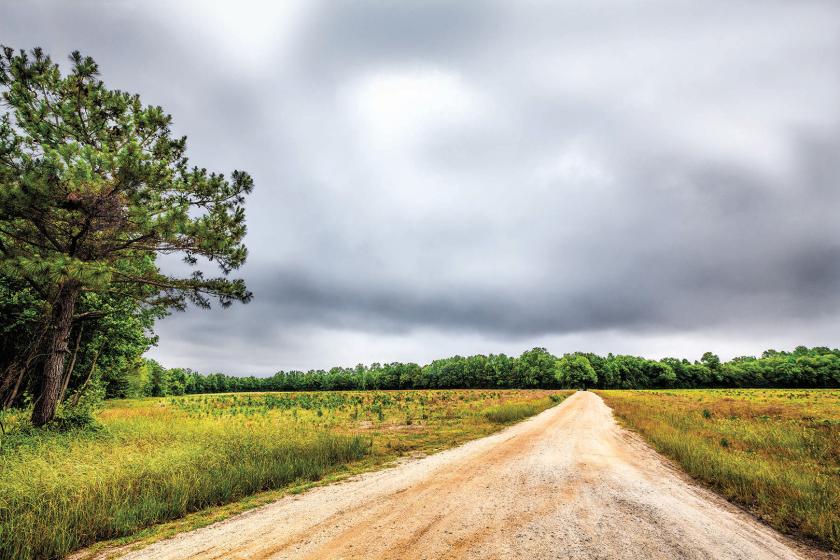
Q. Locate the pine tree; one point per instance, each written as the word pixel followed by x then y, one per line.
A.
pixel 92 187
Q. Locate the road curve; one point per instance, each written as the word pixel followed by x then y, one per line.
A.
pixel 568 483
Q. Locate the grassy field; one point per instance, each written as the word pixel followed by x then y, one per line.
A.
pixel 159 459
pixel 777 452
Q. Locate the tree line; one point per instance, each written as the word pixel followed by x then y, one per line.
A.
pixel 535 368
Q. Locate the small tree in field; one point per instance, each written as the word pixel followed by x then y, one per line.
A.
pixel 92 187
pixel 573 370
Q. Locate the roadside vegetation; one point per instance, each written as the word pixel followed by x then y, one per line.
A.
pixel 150 460
pixel 776 452
pixel 509 413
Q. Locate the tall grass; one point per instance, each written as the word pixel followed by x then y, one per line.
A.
pixel 777 452
pixel 47 512
pixel 508 413
pixel 155 460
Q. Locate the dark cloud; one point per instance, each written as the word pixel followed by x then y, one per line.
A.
pixel 439 177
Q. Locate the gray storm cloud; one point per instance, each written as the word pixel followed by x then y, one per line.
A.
pixel 439 177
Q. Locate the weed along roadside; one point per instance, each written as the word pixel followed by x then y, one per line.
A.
pixel 158 459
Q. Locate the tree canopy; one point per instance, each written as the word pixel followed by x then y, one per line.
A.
pixel 575 371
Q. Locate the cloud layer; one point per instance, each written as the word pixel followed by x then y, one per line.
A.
pixel 439 177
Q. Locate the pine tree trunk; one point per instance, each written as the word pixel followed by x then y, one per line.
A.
pixel 20 367
pixel 72 365
pixel 62 321
pixel 81 390
pixel 13 395
pixel 11 381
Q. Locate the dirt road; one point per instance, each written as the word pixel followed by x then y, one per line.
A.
pixel 568 483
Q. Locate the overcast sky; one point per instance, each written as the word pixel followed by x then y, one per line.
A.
pixel 432 178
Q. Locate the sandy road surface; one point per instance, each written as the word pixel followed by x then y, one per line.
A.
pixel 568 483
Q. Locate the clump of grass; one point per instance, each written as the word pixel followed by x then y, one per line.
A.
pixel 777 452
pixel 507 413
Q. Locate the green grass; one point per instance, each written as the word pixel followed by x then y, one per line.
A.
pixel 155 460
pixel 776 452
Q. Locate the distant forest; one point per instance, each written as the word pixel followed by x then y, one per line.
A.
pixel 536 368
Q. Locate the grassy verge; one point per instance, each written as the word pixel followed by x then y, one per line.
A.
pixel 777 452
pixel 156 460
pixel 508 413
